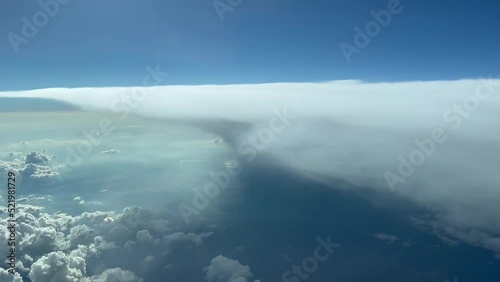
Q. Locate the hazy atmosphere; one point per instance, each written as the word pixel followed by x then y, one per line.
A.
pixel 235 141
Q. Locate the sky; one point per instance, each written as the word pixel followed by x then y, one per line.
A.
pixel 110 43
pixel 372 123
pixel 313 161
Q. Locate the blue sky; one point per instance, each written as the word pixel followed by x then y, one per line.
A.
pixel 109 43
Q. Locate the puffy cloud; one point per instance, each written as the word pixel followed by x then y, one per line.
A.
pixel 34 165
pixel 95 218
pixel 144 236
pixel 149 259
pixel 81 235
pixel 135 218
pixel 94 249
pixel 36 158
pixel 79 200
pixel 63 247
pixel 37 232
pixel 355 132
pixel 387 237
pixel 223 269
pixel 38 171
pixel 41 238
pixel 57 266
pixel 124 227
pixel 115 275
pixel 6 276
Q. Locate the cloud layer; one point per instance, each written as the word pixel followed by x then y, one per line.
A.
pixel 347 130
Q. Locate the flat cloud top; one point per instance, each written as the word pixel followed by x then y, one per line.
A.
pixel 353 131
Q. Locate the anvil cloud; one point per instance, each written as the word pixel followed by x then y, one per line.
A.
pixel 353 131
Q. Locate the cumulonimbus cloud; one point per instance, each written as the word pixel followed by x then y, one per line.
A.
pixel 354 131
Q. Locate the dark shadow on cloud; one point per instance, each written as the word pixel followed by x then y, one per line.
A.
pixel 227 129
pixel 282 213
pixel 270 217
pixel 273 222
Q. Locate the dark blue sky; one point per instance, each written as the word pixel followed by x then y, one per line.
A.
pixel 109 43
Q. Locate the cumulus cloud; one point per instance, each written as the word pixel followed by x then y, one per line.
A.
pixel 144 236
pixel 81 235
pixel 33 165
pixel 78 200
pixel 88 247
pixel 352 131
pixel 115 275
pixel 125 226
pixel 38 171
pixel 386 237
pixel 57 266
pixel 223 269
pixel 36 158
pixel 9 277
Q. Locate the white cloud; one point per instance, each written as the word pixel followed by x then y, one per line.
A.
pixel 58 247
pixel 387 237
pixel 352 131
pixel 115 275
pixel 57 266
pixel 112 151
pixel 5 276
pixel 36 158
pixel 81 235
pixel 223 269
pixel 34 165
pixel 78 200
pixel 143 236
